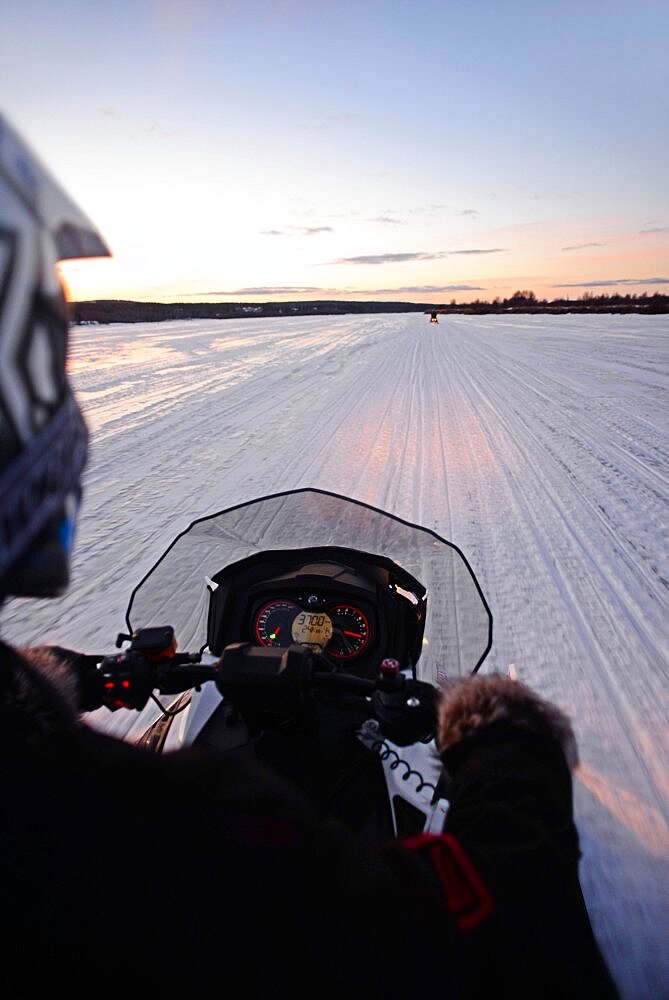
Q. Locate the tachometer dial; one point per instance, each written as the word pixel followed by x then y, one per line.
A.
pixel 351 632
pixel 274 622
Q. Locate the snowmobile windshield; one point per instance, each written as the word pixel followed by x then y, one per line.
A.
pixel 176 591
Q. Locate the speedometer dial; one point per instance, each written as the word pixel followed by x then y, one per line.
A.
pixel 274 622
pixel 351 632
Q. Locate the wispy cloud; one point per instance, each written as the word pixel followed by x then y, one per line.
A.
pixel 582 246
pixel 297 231
pixel 261 290
pixel 424 289
pixel 297 290
pixel 389 220
pixel 385 258
pixel 390 214
pixel 403 258
pixel 421 209
pixel 492 250
pixel 614 281
pixel 655 229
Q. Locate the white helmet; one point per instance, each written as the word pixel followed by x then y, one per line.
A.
pixel 43 437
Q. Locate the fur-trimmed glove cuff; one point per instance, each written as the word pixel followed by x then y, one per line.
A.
pixel 469 706
pixel 71 672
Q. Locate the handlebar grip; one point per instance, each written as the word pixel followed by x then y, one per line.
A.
pixel 177 675
pixel 126 680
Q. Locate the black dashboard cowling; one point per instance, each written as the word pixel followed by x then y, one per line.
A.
pixel 392 597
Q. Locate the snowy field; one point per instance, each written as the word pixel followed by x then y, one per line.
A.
pixel 539 445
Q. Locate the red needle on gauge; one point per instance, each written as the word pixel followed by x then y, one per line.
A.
pixel 356 635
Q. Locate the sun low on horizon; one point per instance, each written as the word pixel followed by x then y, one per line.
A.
pixel 277 151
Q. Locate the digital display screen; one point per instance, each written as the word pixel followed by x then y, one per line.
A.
pixel 312 628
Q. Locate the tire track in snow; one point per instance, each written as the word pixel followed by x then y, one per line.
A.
pixel 634 717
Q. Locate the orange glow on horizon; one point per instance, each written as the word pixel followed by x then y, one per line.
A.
pixel 561 277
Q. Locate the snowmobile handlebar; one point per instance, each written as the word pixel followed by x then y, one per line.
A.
pixel 267 684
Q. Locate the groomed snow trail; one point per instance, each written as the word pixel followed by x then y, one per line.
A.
pixel 537 444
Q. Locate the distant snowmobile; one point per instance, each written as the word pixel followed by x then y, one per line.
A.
pixel 433 318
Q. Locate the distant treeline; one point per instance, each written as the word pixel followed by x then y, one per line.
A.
pixel 122 311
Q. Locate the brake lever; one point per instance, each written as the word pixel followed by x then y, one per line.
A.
pixel 405 708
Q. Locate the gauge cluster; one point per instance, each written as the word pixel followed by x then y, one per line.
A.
pixel 339 629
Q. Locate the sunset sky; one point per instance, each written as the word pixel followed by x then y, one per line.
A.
pixel 243 150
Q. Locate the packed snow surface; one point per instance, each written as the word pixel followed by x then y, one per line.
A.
pixel 537 444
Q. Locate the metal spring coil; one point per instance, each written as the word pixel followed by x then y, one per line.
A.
pixel 384 751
